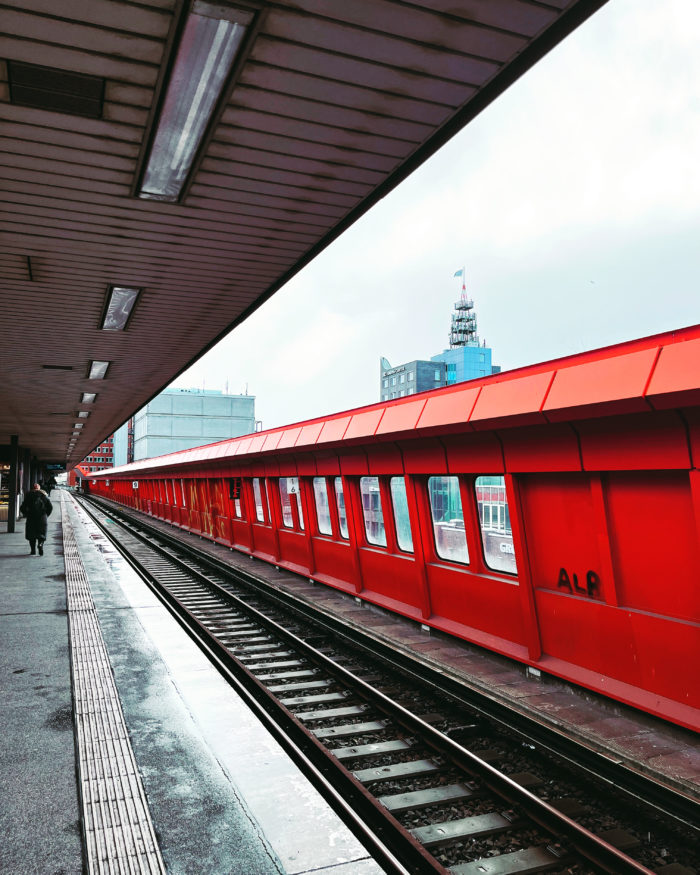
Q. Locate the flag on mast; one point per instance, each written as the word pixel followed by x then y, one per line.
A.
pixel 459 272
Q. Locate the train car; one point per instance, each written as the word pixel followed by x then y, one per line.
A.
pixel 550 513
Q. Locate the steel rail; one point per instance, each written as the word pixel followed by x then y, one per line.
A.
pixel 594 849
pixel 389 844
pixel 640 789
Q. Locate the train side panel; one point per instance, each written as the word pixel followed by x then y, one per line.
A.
pixel 552 515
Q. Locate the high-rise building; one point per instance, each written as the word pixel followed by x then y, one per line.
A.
pixel 466 359
pixel 179 419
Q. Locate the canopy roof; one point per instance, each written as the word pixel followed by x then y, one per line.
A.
pixel 328 107
pixel 655 373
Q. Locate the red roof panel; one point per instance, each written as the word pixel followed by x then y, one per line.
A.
pixel 520 399
pixel 401 417
pixel 676 377
pixel 617 384
pixel 364 424
pixel 446 409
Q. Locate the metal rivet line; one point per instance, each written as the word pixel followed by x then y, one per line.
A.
pixel 119 834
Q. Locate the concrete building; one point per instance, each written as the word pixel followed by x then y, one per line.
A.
pixel 410 378
pixel 124 444
pixel 466 359
pixel 100 458
pixel 179 419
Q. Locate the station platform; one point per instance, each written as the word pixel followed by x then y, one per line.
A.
pixel 123 749
pixel 668 753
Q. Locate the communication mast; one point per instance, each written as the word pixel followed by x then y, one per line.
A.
pixel 463 327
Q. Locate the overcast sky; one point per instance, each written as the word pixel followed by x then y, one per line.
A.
pixel 572 201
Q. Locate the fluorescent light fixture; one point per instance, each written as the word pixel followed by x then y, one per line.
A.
pixel 83 413
pixel 98 370
pixel 88 397
pixel 120 303
pixel 210 42
pixel 78 425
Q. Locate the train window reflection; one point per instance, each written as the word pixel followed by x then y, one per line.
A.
pixel 323 511
pixel 340 502
pixel 289 493
pixel 259 507
pixel 448 519
pixel 403 523
pixel 494 517
pixel 372 511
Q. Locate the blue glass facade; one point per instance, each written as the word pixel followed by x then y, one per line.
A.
pixel 465 363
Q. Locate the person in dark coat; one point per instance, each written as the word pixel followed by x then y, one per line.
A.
pixel 49 484
pixel 36 507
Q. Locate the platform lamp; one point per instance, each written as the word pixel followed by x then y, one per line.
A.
pixel 198 83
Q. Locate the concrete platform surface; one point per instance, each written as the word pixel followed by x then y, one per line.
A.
pixel 40 811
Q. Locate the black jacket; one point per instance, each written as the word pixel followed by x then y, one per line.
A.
pixel 36 507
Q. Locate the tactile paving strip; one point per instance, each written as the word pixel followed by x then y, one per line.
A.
pixel 119 833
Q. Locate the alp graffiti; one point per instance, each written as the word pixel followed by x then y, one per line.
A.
pixel 591 589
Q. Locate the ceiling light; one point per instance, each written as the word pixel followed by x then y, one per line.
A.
pixel 120 302
pixel 210 42
pixel 78 425
pixel 98 370
pixel 83 413
pixel 88 397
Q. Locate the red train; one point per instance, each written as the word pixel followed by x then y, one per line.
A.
pixel 550 513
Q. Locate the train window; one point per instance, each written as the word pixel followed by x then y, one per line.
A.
pixel 448 519
pixel 259 506
pixel 340 503
pixel 323 511
pixel 403 524
pixel 289 492
pixel 372 511
pixel 494 517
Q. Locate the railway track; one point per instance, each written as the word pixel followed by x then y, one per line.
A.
pixel 414 773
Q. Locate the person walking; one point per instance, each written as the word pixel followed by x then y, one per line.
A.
pixel 36 507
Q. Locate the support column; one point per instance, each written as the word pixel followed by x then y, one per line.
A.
pixel 12 497
pixel 26 483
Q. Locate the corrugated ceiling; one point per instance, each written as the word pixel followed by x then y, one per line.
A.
pixel 334 104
